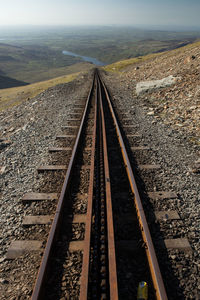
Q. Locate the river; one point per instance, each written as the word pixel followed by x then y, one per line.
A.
pixel 85 58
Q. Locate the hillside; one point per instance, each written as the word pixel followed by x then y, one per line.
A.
pixel 34 63
pixel 13 96
pixel 177 105
pixel 7 82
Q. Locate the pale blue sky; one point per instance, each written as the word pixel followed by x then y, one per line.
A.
pixel 100 12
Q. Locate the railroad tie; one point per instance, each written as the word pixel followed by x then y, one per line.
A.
pixel 64 127
pixel 39 197
pixel 78 105
pixel 74 119
pixel 78 218
pixel 181 244
pixel 60 149
pixel 167 215
pixel 132 245
pixel 75 114
pixel 37 220
pixel 162 216
pixel 76 246
pixel 133 135
pixel 47 219
pixel 127 120
pixel 20 247
pixel 51 168
pixel 130 126
pixel 78 110
pixel 65 136
pixel 162 195
pixel 149 167
pixel 140 148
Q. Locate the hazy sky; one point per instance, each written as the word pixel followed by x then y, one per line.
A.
pixel 100 12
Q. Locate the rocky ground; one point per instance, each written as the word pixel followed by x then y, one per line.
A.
pixel 177 105
pixel 27 131
pixel 175 146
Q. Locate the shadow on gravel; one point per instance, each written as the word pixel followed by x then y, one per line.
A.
pixel 172 284
pixel 63 275
pixel 65 266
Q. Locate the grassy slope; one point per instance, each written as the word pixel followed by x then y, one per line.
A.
pixel 121 65
pixel 14 96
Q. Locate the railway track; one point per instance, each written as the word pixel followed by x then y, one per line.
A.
pixel 113 207
pixel 99 245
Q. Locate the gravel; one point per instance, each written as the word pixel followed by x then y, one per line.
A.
pixel 174 151
pixel 27 131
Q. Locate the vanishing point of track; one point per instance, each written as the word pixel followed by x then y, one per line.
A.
pixel 100 276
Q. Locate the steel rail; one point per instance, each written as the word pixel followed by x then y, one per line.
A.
pixel 113 290
pixel 150 251
pixel 88 226
pixel 38 290
pixel 110 227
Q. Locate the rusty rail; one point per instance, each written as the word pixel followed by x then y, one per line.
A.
pixel 105 204
pixel 40 281
pixel 150 251
pixel 110 227
pixel 88 226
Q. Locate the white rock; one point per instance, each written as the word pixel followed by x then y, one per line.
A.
pixel 151 113
pixel 2 259
pixel 145 86
pixel 24 127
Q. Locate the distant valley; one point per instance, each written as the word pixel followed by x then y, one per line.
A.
pixel 37 54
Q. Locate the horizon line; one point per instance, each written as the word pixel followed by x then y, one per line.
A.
pixel 101 25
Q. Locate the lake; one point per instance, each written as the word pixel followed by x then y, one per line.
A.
pixel 85 58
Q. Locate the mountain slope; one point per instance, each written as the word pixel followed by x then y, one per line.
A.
pixel 8 82
pixel 177 105
pixel 16 95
